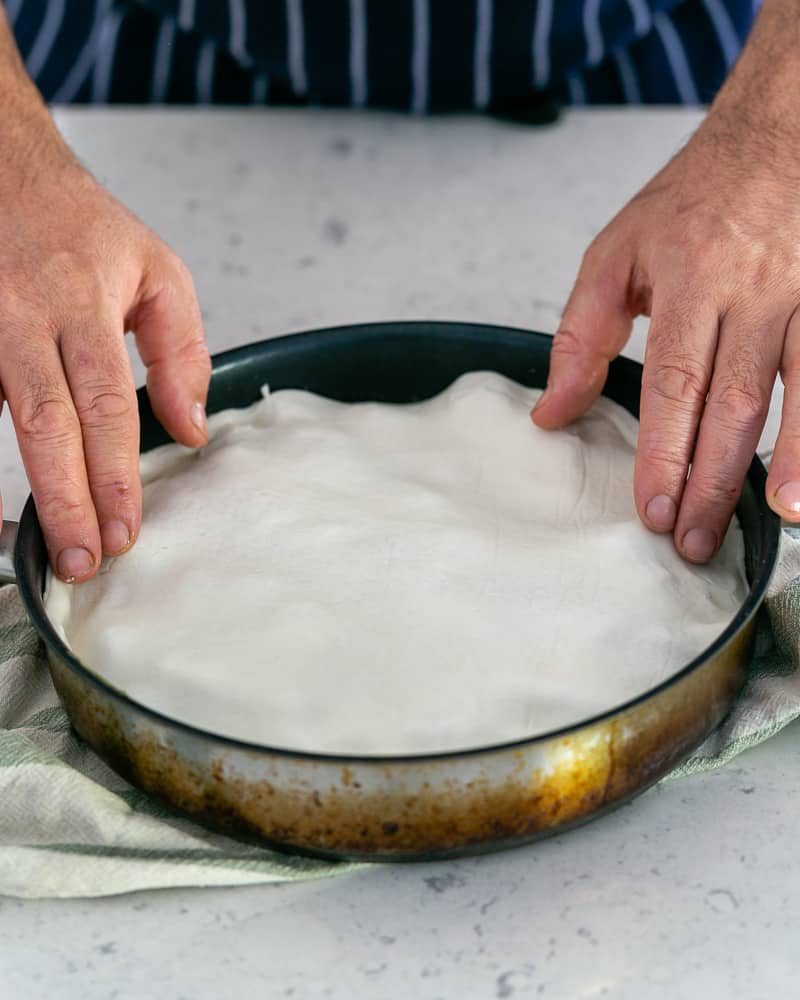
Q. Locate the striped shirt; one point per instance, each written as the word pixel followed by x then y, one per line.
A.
pixel 411 55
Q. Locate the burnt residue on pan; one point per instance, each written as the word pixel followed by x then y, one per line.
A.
pixel 405 808
pixel 409 808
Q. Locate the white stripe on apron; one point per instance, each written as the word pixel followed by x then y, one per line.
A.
pixel 642 17
pixel 204 73
pixel 295 43
pixel 358 53
pixel 48 32
pixel 74 80
pixel 483 53
pixel 107 50
pixel 541 43
pixel 419 58
pixel 162 61
pixel 724 29
pixel 237 43
pixel 676 56
pixel 627 76
pixel 186 15
pixel 592 32
pixel 12 10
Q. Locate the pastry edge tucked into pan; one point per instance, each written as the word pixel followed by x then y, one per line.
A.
pixel 405 807
pixel 396 579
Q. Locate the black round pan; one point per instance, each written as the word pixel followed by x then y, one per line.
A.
pixel 412 807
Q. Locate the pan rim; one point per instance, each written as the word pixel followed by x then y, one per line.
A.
pixel 34 605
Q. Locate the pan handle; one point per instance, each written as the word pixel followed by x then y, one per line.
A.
pixel 8 542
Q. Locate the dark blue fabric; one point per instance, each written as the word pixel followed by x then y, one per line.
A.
pixel 108 50
pixel 327 45
pixel 452 40
pixel 388 62
pixel 512 22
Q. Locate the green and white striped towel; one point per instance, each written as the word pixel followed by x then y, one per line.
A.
pixel 69 826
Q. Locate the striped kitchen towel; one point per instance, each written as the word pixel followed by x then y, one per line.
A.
pixel 69 826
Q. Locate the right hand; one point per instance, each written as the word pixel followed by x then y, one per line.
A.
pixel 77 270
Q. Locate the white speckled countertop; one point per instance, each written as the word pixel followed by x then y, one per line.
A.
pixel 292 220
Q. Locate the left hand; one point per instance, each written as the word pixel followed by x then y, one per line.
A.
pixel 710 250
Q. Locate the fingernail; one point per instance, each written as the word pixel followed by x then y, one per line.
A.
pixel 74 563
pixel 788 496
pixel 699 544
pixel 661 513
pixel 115 537
pixel 198 417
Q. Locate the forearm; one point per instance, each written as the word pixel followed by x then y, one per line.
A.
pixel 763 90
pixel 27 132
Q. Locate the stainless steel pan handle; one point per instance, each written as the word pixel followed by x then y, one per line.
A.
pixel 8 542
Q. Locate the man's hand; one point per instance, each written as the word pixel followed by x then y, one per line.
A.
pixel 710 250
pixel 76 271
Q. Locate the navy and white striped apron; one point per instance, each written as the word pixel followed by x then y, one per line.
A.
pixel 413 55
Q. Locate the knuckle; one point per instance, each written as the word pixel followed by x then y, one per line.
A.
pixel 713 489
pixel 763 276
pixel 195 352
pixel 738 405
pixel 679 381
pixel 56 505
pixel 104 404
pixel 665 457
pixel 45 417
pixel 567 343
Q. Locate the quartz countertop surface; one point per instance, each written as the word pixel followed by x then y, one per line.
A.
pixel 291 220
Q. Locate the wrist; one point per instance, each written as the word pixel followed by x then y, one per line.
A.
pixel 31 147
pixel 760 99
pixel 29 140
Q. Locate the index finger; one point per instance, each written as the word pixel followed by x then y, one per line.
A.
pixel 594 328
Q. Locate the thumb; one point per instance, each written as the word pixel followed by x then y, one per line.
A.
pixel 594 328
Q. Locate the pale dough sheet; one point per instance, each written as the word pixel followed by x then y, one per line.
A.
pixel 396 579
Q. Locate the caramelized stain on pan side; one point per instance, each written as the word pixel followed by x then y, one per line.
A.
pixel 407 809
